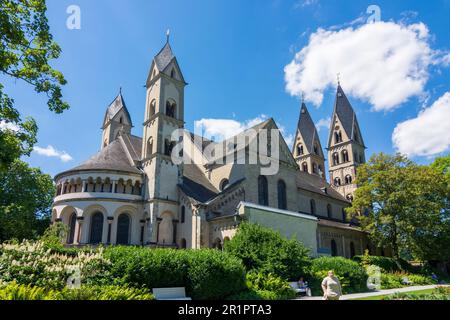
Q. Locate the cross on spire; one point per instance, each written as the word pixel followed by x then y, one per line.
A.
pixel 168 35
pixel 338 78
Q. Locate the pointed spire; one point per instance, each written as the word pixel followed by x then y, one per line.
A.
pixel 306 128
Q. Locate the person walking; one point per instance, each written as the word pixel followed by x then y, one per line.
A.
pixel 331 287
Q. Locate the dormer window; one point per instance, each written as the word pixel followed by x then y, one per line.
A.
pixel 338 136
pixel 337 182
pixel 316 149
pixel 121 120
pixel 172 73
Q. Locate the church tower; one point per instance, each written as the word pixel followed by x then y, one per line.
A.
pixel 164 113
pixel 346 149
pixel 117 120
pixel 307 147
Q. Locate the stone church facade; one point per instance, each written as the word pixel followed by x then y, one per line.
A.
pixel 132 193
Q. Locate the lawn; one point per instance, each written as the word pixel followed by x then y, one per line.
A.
pixel 415 293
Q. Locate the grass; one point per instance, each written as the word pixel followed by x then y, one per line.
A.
pixel 381 297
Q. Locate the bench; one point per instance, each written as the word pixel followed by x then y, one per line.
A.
pixel 170 294
pixel 303 290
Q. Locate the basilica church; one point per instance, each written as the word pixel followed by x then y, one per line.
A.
pixel 132 192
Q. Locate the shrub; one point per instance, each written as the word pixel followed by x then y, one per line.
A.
pixel 206 274
pixel 14 291
pixel 385 263
pixel 264 250
pixel 31 263
pixel 440 293
pixel 270 286
pixel 396 280
pixel 352 276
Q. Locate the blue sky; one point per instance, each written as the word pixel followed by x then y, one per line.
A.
pixel 233 54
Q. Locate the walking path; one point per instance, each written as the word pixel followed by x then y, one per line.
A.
pixel 375 293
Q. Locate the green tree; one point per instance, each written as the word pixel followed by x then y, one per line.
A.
pixel 406 202
pixel 26 48
pixel 264 250
pixel 25 202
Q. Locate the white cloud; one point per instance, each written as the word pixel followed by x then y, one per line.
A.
pixel 428 134
pixel 221 129
pixel 323 123
pixel 384 63
pixel 8 126
pixel 304 3
pixel 50 151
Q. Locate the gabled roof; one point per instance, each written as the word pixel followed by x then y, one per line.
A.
pixel 196 185
pixel 308 130
pixel 343 110
pixel 316 184
pixel 115 107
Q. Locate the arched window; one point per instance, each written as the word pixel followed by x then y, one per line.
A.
pixel 96 228
pixel 123 229
pixel 345 156
pixel 312 204
pixel 348 179
pixel 183 214
pixel 168 147
pixel 316 149
pixel 150 146
pixel 282 203
pixel 224 184
pixel 329 211
pixel 218 244
pixel 337 182
pixel 344 215
pixel 171 108
pixel 335 159
pixel 305 167
pixel 152 108
pixel 263 191
pixel 72 224
pixel 338 137
pixel 300 150
pixel 352 250
pixel 183 244
pixel 333 248
pixel 349 197
pixel 315 168
pixel 172 73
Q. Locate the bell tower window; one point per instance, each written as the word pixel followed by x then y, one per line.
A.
pixel 171 108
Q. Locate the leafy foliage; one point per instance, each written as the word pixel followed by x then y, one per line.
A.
pixel 26 49
pixel 440 293
pixel 352 276
pixel 385 263
pixel 264 250
pixel 14 291
pixel 32 263
pixel 206 274
pixel 409 206
pixel 26 196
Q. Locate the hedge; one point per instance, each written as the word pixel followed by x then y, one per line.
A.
pixel 206 274
pixel 352 276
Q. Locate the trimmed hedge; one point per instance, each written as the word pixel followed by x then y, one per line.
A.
pixel 352 276
pixel 264 250
pixel 206 274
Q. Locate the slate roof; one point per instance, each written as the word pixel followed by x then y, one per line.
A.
pixel 164 57
pixel 308 129
pixel 336 224
pixel 196 185
pixel 113 157
pixel 114 108
pixel 344 111
pixel 316 184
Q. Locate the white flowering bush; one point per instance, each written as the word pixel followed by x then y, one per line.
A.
pixel 33 263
